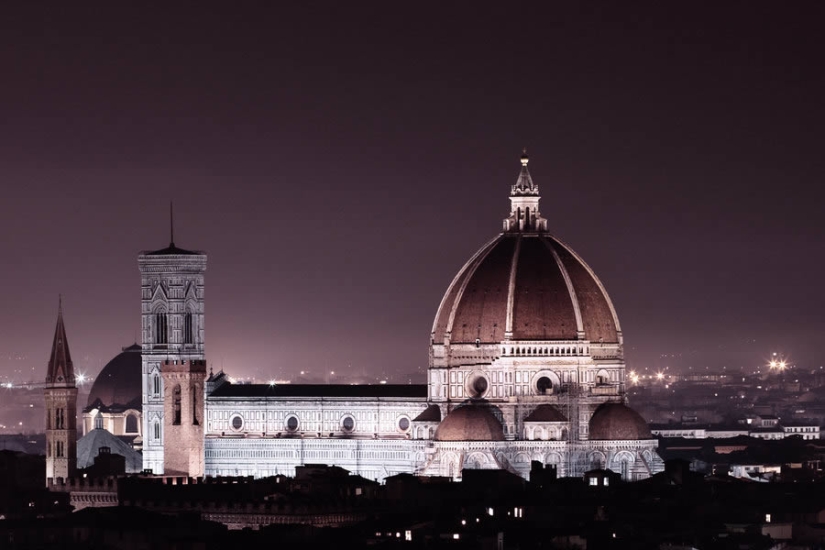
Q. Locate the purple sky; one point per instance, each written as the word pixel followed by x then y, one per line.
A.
pixel 339 164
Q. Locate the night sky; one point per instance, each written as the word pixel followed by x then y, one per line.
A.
pixel 340 162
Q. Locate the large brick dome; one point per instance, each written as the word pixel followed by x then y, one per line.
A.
pixel 525 286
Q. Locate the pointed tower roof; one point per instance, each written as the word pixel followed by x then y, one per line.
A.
pixel 61 370
pixel 524 185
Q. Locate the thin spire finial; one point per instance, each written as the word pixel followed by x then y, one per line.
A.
pixel 60 304
pixel 171 223
pixel 524 158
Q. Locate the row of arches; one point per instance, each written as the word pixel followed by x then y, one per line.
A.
pixel 551 350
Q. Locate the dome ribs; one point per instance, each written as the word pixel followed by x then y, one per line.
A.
pixel 598 316
pixel 542 305
pixel 446 310
pixel 482 307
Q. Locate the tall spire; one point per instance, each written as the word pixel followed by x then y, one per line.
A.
pixel 61 370
pixel 524 203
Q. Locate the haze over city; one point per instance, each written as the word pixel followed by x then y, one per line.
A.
pixel 339 174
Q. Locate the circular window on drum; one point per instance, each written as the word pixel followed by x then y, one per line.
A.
pixel 292 423
pixel 236 422
pixel 544 386
pixel 403 424
pixel 348 424
pixel 477 386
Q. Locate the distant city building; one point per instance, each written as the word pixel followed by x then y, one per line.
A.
pixel 61 407
pixel 760 426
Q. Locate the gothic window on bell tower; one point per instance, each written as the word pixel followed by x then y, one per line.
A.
pixel 155 384
pixel 188 332
pixel 161 328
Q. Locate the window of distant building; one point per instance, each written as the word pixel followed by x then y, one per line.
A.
pixel 131 424
pixel 156 430
pixel 348 424
pixel 99 421
pixel 156 384
pixel 594 482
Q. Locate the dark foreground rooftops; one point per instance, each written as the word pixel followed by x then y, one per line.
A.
pixel 411 391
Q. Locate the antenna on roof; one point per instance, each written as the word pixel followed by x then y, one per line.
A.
pixel 171 224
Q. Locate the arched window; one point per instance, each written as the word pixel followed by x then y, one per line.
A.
pixel 161 328
pixel 99 421
pixel 131 424
pixel 195 415
pixel 155 384
pixel 188 331
pixel 156 430
pixel 176 405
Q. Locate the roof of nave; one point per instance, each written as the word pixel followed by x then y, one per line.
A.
pixel 172 250
pixel 418 391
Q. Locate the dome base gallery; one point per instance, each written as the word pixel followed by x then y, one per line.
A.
pixel 526 364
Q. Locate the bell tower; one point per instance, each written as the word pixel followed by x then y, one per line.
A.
pixel 61 407
pixel 174 365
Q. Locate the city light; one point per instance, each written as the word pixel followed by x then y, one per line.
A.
pixel 777 363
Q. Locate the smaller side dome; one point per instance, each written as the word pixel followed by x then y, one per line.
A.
pixel 470 423
pixel 119 383
pixel 615 421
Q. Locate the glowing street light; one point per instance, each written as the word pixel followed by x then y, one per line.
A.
pixel 660 376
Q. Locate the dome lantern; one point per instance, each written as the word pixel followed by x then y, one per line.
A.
pixel 524 203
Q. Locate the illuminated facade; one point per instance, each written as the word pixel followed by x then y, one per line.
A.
pixel 173 361
pixel 526 364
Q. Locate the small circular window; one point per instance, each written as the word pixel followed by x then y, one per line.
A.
pixel 544 386
pixel 236 422
pixel 403 423
pixel 292 423
pixel 348 424
pixel 478 386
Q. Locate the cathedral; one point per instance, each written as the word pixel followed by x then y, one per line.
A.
pixel 525 364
